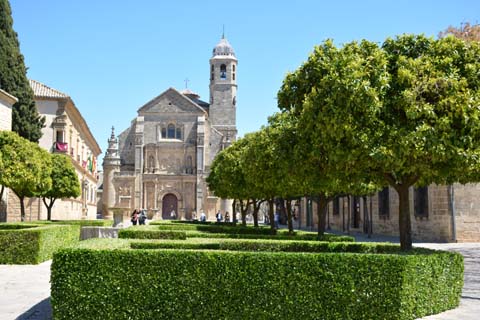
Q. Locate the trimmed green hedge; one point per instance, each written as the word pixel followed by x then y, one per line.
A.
pixel 204 284
pixel 307 237
pixel 225 230
pixel 276 246
pixel 213 228
pixel 146 233
pixel 83 223
pixel 12 226
pixel 33 244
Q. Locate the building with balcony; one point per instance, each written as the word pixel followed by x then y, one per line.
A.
pixel 67 132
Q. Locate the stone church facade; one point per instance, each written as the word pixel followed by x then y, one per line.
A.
pixel 161 161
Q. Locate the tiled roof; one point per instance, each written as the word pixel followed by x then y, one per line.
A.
pixel 42 91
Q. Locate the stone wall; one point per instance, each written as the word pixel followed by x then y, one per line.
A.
pixel 436 227
pixel 467 212
pixel 5 115
pixel 63 209
pixel 48 109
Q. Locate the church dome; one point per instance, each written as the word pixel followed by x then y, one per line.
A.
pixel 223 48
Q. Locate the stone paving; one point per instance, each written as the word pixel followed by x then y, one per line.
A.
pixel 25 292
pixel 25 289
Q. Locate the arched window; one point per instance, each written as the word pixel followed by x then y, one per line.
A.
pixel 164 133
pixel 179 133
pixel 233 72
pixel 223 72
pixel 212 73
pixel 171 131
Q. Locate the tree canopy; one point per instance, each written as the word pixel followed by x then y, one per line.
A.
pixel 403 113
pixel 26 167
pixel 466 31
pixel 13 79
pixel 65 183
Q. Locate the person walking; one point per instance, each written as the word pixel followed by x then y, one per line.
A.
pixel 134 217
pixel 219 216
pixel 142 217
pixel 276 219
pixel 203 217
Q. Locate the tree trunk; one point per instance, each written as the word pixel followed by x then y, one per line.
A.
pixel 404 217
pixel 321 214
pixel 49 207
pixel 370 229
pixel 256 208
pixel 243 211
pixel 1 192
pixel 328 217
pixel 343 214
pixel 234 212
pixel 22 208
pixel 366 218
pixel 289 216
pixel 271 203
pixel 349 212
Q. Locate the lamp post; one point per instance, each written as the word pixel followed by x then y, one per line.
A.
pixel 84 200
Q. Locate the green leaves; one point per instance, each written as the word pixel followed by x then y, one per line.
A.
pixel 13 79
pixel 25 167
pixel 366 281
pixel 405 112
pixel 65 183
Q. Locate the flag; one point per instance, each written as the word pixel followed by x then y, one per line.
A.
pixel 60 146
pixel 94 165
pixel 89 163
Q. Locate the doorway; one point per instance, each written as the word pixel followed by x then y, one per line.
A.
pixel 169 205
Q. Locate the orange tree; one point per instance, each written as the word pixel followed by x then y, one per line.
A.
pixel 65 182
pixel 405 113
pixel 24 168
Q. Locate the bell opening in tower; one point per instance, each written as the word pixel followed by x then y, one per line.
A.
pixel 223 72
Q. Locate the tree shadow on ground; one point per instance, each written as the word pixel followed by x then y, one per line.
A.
pixel 40 311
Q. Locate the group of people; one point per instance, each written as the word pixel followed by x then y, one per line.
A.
pixel 219 216
pixel 139 216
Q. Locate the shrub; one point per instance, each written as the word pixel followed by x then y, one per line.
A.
pixel 85 223
pixel 191 222
pixel 276 246
pixel 32 244
pixel 307 237
pixel 89 223
pixel 204 284
pixel 146 233
pixel 5 226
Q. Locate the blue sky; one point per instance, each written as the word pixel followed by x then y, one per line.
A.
pixel 111 57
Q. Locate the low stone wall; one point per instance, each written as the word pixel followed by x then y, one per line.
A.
pixel 98 232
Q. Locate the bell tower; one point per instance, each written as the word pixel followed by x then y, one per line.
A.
pixel 223 89
pixel 111 165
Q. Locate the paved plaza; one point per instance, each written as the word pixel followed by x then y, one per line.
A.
pixel 25 289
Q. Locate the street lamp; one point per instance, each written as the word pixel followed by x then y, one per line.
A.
pixel 84 204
